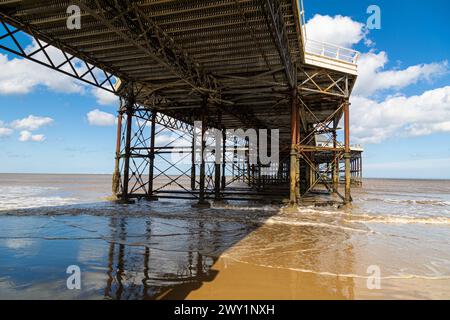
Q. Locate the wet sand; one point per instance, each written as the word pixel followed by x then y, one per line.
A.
pixel 168 250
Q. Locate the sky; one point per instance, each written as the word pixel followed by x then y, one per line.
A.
pixel 400 106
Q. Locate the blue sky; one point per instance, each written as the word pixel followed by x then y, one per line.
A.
pixel 403 86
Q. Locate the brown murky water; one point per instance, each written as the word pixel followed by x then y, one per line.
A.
pixel 168 250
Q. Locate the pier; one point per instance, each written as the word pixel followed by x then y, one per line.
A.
pixel 227 64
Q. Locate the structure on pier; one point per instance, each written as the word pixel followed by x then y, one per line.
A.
pixel 231 64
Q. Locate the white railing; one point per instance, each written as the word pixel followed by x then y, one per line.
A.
pixel 331 51
pixel 357 146
pixel 324 49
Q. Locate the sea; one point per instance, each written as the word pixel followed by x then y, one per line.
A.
pixel 61 237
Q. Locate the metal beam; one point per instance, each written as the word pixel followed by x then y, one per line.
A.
pixel 275 22
pixel 145 35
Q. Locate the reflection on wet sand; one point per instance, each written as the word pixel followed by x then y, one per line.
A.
pixel 143 271
pixel 256 266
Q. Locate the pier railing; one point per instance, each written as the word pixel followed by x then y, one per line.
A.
pixel 324 49
pixel 331 51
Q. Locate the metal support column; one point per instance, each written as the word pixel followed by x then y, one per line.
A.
pixel 335 163
pixel 193 163
pixel 116 175
pixel 224 154
pixel 129 104
pixel 298 191
pixel 293 154
pixel 217 166
pixel 202 201
pixel 247 159
pixel 347 198
pixel 150 195
pixel 360 169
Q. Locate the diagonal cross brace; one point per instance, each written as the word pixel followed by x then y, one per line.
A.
pixel 149 38
pixel 275 22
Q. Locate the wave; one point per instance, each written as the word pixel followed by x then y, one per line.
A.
pixel 243 208
pixel 277 220
pixel 343 275
pixel 35 202
pixel 402 219
pixel 367 218
pixel 431 202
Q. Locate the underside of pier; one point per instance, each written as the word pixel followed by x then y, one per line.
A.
pixel 231 65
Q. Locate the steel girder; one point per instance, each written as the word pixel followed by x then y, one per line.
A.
pixel 158 44
pixel 55 55
pixel 275 22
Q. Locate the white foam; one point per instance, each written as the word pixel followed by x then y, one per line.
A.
pixel 26 197
pixel 278 220
pixel 343 275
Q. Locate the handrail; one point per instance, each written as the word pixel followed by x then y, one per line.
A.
pixel 325 49
pixel 331 51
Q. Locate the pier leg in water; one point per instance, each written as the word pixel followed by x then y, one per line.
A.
pixel 217 165
pixel 151 196
pixel 348 197
pixel 116 175
pixel 294 151
pixel 128 107
pixel 224 153
pixel 335 164
pixel 202 203
pixel 193 174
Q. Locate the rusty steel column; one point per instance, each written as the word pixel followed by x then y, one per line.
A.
pixel 224 155
pixel 126 168
pixel 116 175
pixel 193 162
pixel 293 154
pixel 152 156
pixel 360 169
pixel 347 198
pixel 335 163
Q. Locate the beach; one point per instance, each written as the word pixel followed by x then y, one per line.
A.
pixel 168 250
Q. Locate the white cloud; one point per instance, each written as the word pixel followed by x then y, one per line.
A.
pixel 339 30
pixel 373 78
pixel 20 76
pixel 100 118
pixel 31 123
pixel 4 132
pixel 383 117
pixel 104 97
pixel 373 122
pixel 28 136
